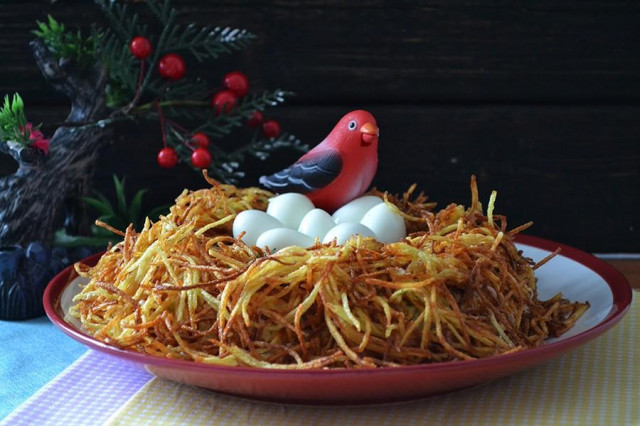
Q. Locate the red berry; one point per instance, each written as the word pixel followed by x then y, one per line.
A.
pixel 256 119
pixel 140 47
pixel 200 140
pixel 201 158
pixel 172 66
pixel 167 158
pixel 223 101
pixel 271 129
pixel 237 82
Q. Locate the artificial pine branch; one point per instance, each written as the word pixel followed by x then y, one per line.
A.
pixel 167 27
pixel 208 42
pixel 216 124
pixel 195 89
pixel 203 42
pixel 222 124
pixel 122 23
pixel 227 168
pixel 162 10
pixel 122 69
pixel 137 87
pixel 263 149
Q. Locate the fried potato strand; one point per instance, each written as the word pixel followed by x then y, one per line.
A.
pixel 456 288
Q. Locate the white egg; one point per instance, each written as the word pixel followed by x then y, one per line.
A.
pixel 254 223
pixel 289 208
pixel 316 223
pixel 279 238
pixel 387 225
pixel 355 210
pixel 343 231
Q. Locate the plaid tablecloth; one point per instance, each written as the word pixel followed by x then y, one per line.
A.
pixel 32 353
pixel 598 384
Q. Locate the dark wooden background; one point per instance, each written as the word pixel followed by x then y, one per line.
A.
pixel 541 100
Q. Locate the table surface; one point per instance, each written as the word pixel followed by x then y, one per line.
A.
pixel 630 269
pixel 39 345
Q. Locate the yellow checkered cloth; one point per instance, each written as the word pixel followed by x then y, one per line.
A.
pixel 598 384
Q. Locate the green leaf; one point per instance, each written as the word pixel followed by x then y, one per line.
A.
pixel 120 196
pixel 98 231
pixel 13 120
pixel 18 105
pixel 155 213
pixel 104 199
pixel 54 25
pixel 135 208
pixel 102 206
pixel 111 219
pixel 116 222
pixel 62 239
pixel 118 218
pixel 67 44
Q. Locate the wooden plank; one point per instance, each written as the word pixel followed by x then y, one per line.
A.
pixel 458 88
pixel 630 269
pixel 423 51
pixel 574 171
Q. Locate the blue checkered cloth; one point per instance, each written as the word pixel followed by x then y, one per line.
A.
pixel 32 353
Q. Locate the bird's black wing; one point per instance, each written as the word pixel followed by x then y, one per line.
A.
pixel 306 174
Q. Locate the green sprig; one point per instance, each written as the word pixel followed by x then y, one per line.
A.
pixel 13 121
pixel 66 44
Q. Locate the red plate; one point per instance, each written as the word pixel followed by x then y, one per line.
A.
pixel 578 275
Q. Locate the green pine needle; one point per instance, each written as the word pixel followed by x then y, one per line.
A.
pixel 226 166
pixel 122 23
pixel 162 10
pixel 207 42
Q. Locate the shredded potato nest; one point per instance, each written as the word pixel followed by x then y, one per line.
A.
pixel 455 288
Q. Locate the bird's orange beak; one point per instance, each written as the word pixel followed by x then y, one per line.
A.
pixel 369 132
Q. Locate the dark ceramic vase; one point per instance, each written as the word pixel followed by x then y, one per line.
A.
pixel 25 273
pixel 20 298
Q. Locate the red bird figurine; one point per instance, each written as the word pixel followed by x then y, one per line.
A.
pixel 338 169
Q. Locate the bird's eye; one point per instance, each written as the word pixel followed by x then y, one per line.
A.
pixel 352 125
